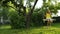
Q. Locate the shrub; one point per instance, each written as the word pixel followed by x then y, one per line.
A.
pixel 16 20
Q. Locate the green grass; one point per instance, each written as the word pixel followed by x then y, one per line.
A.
pixel 54 29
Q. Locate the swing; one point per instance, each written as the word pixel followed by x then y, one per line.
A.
pixel 48 18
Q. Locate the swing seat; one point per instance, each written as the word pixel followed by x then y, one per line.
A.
pixel 50 19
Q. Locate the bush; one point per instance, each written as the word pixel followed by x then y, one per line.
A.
pixel 16 20
pixel 37 19
pixel 19 21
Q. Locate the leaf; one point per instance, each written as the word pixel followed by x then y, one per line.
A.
pixel 31 0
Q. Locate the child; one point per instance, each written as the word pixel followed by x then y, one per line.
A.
pixel 48 17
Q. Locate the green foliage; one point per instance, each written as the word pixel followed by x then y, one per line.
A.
pixel 4 12
pixel 31 0
pixel 12 8
pixel 37 18
pixel 16 20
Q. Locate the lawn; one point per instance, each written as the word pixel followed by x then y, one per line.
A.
pixel 54 29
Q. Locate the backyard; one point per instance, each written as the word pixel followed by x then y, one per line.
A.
pixel 29 16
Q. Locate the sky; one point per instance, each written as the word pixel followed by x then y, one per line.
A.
pixel 39 5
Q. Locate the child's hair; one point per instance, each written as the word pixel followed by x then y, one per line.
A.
pixel 48 11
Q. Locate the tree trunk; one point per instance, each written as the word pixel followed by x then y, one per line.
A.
pixel 28 17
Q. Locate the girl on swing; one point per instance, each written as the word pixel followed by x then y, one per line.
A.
pixel 48 17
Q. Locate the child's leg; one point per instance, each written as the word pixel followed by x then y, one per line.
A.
pixel 51 21
pixel 48 22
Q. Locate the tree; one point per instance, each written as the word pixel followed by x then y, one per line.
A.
pixel 21 10
pixel 28 16
pixel 18 6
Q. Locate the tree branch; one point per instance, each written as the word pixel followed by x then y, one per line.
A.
pixel 11 7
pixel 33 7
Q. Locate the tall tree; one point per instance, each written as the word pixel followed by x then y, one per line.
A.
pixel 28 16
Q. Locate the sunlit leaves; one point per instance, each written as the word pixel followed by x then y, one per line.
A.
pixel 31 0
pixel 44 0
